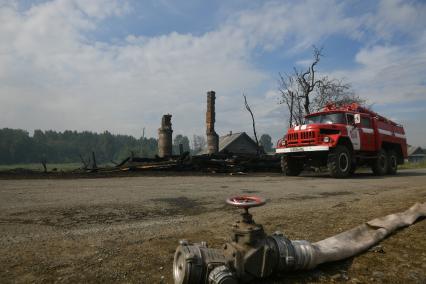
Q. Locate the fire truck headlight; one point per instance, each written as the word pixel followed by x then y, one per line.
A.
pixel 326 139
pixel 284 142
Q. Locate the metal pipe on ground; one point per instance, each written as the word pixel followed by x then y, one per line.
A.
pixel 254 255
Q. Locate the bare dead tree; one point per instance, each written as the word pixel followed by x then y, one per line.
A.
pixel 143 143
pixel 254 124
pixel 334 91
pixel 94 165
pixel 44 164
pixel 290 96
pixel 303 92
pixel 286 89
pixel 306 80
pixel 85 164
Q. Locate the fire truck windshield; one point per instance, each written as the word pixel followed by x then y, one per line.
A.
pixel 328 118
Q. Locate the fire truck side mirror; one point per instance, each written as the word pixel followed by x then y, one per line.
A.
pixel 357 118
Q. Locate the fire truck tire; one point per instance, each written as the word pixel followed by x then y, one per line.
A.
pixel 339 162
pixel 353 168
pixel 392 163
pixel 291 167
pixel 380 164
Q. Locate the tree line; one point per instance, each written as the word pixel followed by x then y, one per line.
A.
pixel 17 146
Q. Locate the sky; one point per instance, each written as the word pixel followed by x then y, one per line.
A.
pixel 120 65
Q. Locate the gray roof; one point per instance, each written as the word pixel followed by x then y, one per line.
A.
pixel 415 150
pixel 226 140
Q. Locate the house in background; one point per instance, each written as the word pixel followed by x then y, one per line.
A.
pixel 236 143
pixel 416 154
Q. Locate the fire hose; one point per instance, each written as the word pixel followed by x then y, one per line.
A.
pixel 252 254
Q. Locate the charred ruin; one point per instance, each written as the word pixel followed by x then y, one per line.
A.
pixel 212 137
pixel 165 146
pixel 234 153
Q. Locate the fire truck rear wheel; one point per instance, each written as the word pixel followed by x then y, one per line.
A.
pixel 392 162
pixel 339 162
pixel 291 167
pixel 380 164
pixel 353 168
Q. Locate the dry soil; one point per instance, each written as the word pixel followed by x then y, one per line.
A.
pixel 125 230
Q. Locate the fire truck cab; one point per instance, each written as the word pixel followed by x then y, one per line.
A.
pixel 342 139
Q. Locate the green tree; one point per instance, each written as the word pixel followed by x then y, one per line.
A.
pixel 180 139
pixel 17 146
pixel 266 142
pixel 149 147
pixel 198 143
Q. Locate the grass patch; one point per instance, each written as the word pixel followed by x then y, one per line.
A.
pixel 419 165
pixel 58 166
pixel 39 167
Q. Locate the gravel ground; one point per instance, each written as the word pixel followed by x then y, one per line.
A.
pixel 125 230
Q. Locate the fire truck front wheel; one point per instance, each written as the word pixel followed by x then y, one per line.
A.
pixel 291 166
pixel 339 162
pixel 380 164
pixel 392 162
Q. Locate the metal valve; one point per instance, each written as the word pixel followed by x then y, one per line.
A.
pixel 251 254
pixel 246 202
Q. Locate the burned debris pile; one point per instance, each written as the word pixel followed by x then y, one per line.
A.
pixel 230 153
pixel 207 163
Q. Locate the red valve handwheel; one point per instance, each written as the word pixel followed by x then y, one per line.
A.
pixel 245 201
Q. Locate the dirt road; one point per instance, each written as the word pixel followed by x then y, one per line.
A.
pixel 126 229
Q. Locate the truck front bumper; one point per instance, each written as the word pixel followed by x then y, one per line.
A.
pixel 302 149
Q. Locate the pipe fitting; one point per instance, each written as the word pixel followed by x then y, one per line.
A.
pixel 303 255
pixel 193 264
pixel 285 251
pixel 222 275
pixel 254 255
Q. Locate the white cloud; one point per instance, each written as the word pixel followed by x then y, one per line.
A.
pixel 389 70
pixel 53 75
pixel 389 74
pixel 303 23
pixel 304 63
pixel 396 16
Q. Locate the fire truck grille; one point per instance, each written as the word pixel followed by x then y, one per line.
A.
pixel 292 137
pixel 305 137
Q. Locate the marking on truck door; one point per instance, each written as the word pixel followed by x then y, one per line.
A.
pixel 368 130
pixel 353 134
pixel 385 132
pixel 399 135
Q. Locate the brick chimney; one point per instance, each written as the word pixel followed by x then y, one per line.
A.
pixel 212 137
pixel 165 146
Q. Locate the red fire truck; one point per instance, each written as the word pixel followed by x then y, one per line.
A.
pixel 342 139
